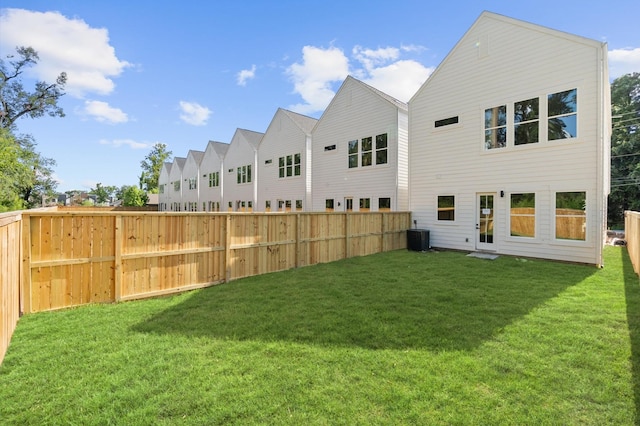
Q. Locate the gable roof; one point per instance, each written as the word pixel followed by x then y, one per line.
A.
pixel 250 136
pixel 220 148
pixel 179 162
pixel 486 15
pixel 393 101
pixel 197 155
pixel 303 122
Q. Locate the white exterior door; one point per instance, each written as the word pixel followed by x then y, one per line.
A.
pixel 485 221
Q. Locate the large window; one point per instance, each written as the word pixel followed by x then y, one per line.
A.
pixel 562 115
pixel 244 174
pixel 193 183
pixel 495 127
pixel 289 166
pixel 571 216
pixel 446 207
pixel 363 153
pixel 526 119
pixel 523 215
pixel 214 179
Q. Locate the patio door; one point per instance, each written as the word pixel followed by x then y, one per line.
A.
pixel 485 222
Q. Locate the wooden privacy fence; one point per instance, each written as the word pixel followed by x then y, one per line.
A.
pixel 72 258
pixel 632 235
pixel 10 228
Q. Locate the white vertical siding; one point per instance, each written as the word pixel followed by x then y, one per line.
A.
pixel 191 171
pixel 521 61
pixel 212 162
pixel 356 111
pixel 175 175
pixel 242 151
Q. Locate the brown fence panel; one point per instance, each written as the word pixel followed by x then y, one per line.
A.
pixel 166 253
pixel 10 254
pixel 322 238
pixel 632 235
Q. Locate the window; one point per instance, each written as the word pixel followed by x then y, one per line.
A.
pixel 381 149
pixel 523 215
pixel 250 205
pixel 365 204
pixel 287 205
pixel 280 205
pixel 561 112
pixel 328 205
pixel 230 170
pixel 289 166
pixel 268 161
pixel 353 154
pixel 495 127
pixel 446 121
pixel 214 179
pixel 193 183
pixel 446 207
pixel 244 174
pixel 384 204
pixel 571 217
pixel 367 156
pixel 298 205
pixel 348 204
pixel 161 189
pixel 526 116
pixel 267 206
pixel 176 185
pixel 330 147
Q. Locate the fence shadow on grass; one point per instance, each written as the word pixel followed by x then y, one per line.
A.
pixel 632 296
pixel 394 300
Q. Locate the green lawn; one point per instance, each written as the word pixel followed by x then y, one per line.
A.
pixel 395 338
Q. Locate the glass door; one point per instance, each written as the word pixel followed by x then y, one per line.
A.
pixel 485 222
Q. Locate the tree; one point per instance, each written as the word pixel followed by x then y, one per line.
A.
pixel 103 193
pixel 625 148
pixel 17 102
pixel 133 196
pixel 151 167
pixel 25 174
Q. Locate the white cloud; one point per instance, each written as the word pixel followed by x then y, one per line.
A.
pixel 624 61
pixel 63 44
pixel 194 113
pixel 313 77
pixel 245 75
pixel 117 143
pixel 102 112
pixel 383 68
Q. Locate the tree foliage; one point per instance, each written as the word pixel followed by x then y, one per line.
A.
pixel 133 196
pixel 26 177
pixel 16 102
pixel 625 148
pixel 151 167
pixel 103 193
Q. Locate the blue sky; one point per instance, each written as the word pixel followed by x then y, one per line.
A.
pixel 183 73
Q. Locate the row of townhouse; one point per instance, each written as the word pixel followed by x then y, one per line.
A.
pixel 505 148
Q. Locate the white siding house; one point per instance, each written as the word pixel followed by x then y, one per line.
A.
pixel 163 187
pixel 509 143
pixel 190 173
pixel 240 189
pixel 212 175
pixel 359 152
pixel 284 163
pixel 175 184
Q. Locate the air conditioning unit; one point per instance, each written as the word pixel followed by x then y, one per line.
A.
pixel 418 240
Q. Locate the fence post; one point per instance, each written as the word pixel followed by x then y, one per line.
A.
pixel 298 236
pixel 227 249
pixel 26 265
pixel 118 257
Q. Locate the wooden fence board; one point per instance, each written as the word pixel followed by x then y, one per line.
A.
pixel 632 236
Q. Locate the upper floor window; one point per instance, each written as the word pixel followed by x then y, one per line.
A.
pixel 289 166
pixel 495 127
pixel 193 183
pixel 176 185
pixel 562 115
pixel 363 153
pixel 244 174
pixel 214 179
pixel 526 121
pixel 161 189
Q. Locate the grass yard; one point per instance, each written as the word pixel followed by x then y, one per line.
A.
pixel 394 338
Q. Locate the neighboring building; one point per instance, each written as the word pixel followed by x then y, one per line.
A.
pixel 212 175
pixel 284 163
pixel 175 184
pixel 190 181
pixel 359 152
pixel 240 190
pixel 509 143
pixel 163 187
